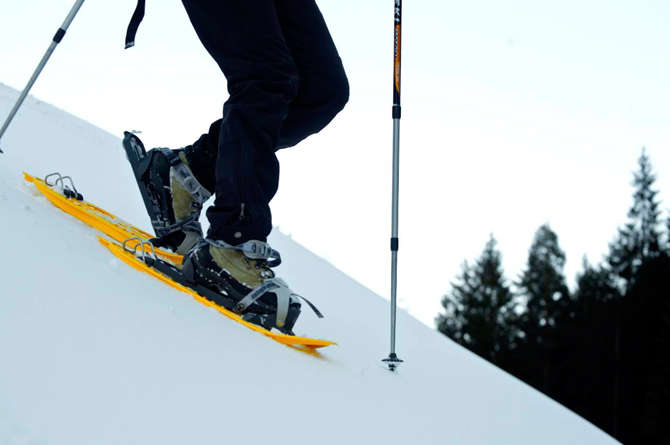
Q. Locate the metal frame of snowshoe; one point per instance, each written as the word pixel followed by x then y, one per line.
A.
pixel 149 260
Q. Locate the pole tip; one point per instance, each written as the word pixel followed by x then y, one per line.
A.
pixel 392 361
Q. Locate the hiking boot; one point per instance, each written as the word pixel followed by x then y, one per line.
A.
pixel 244 275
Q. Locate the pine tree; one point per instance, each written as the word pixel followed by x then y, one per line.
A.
pixel 548 305
pixel 593 349
pixel 639 240
pixel 479 307
pixel 543 284
pixel 594 284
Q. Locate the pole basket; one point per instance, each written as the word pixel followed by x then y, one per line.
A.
pixel 393 362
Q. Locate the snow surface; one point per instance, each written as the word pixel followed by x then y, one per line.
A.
pixel 94 352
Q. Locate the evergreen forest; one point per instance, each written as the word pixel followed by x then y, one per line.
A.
pixel 600 349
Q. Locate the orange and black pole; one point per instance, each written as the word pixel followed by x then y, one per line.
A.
pixel 393 361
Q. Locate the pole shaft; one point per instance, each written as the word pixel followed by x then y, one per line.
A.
pixel 395 230
pixel 397 59
pixel 60 33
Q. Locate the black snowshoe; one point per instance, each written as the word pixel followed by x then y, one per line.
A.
pixel 270 304
pixel 153 172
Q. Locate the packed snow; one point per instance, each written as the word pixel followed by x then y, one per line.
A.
pixel 94 352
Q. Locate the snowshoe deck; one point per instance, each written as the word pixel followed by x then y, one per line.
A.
pixel 98 218
pixel 136 240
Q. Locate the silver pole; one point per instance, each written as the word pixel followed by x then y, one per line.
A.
pixel 393 361
pixel 394 230
pixel 54 43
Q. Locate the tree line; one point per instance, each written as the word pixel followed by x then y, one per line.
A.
pixel 602 349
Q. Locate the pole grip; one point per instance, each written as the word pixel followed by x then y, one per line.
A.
pixel 397 52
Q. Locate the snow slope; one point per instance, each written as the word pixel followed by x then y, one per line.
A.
pixel 94 352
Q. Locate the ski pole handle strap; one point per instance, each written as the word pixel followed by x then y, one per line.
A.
pixel 135 21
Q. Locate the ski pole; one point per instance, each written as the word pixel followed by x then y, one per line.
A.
pixel 393 361
pixel 56 40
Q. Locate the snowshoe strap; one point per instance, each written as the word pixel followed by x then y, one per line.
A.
pixel 191 238
pixel 185 176
pixel 284 297
pixel 276 286
pixel 189 226
pixel 311 305
pixel 254 250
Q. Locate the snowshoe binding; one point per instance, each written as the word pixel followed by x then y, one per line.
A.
pixel 172 195
pixel 242 273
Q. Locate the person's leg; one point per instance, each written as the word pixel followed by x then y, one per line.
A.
pixel 323 89
pixel 246 40
pixel 201 156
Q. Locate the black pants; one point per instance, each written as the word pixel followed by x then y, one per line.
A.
pixel 285 81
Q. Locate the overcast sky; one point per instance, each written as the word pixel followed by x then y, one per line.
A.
pixel 516 113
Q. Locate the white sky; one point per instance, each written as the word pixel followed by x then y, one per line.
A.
pixel 515 114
